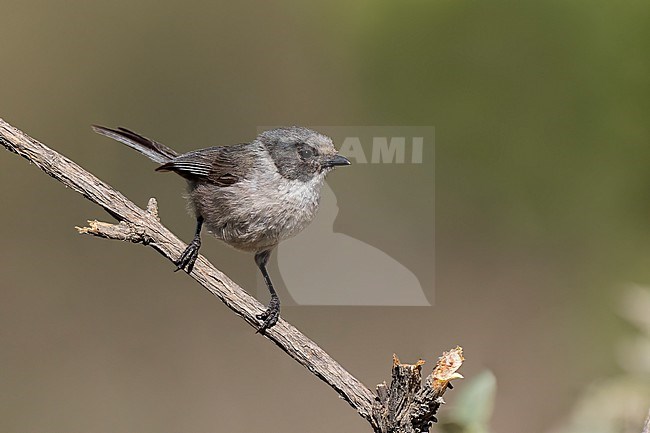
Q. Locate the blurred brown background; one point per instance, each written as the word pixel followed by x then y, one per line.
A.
pixel 542 202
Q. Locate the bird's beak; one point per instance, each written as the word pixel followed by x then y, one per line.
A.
pixel 336 160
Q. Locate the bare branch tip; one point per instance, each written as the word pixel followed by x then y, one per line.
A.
pixel 396 362
pixel 121 231
pixel 92 228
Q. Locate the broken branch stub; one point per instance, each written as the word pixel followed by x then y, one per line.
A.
pixel 406 406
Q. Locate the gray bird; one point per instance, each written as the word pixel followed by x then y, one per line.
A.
pixel 252 195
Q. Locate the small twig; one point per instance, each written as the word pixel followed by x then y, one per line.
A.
pixel 143 226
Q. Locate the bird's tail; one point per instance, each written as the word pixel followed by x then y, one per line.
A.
pixel 153 150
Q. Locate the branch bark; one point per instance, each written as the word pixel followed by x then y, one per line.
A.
pixel 143 226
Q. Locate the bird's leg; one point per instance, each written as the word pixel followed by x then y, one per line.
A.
pixel 272 313
pixel 187 259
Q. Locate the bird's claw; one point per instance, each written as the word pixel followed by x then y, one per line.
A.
pixel 188 257
pixel 270 316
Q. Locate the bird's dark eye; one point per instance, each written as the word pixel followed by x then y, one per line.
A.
pixel 306 151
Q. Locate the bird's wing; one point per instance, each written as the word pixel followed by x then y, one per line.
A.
pixel 222 165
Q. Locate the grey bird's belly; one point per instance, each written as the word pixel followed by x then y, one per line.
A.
pixel 255 215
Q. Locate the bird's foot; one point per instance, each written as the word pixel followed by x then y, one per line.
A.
pixel 270 316
pixel 189 256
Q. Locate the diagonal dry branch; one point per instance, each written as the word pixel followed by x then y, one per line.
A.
pixel 143 226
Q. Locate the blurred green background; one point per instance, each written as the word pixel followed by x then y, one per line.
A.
pixel 542 202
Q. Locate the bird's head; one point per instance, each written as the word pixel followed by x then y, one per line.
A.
pixel 300 153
